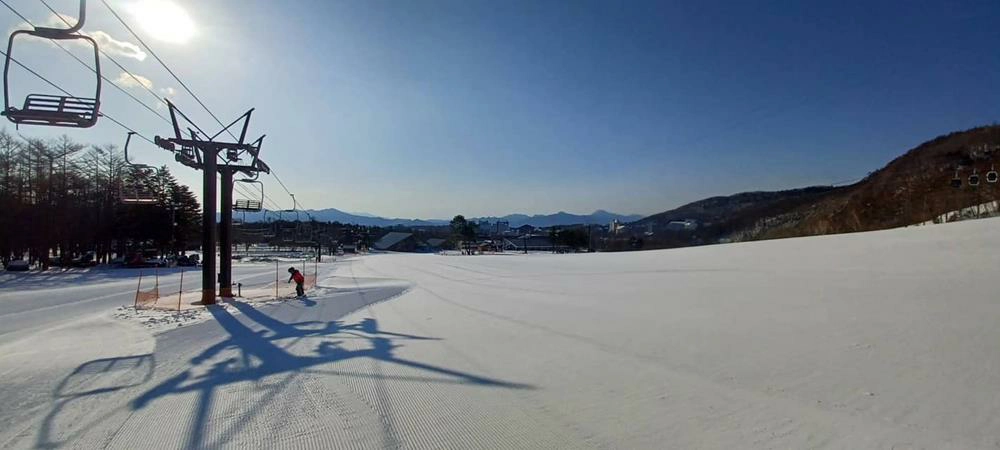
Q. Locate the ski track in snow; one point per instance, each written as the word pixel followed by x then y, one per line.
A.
pixel 869 340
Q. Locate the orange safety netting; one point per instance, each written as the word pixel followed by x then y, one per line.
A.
pixel 274 289
pixel 147 299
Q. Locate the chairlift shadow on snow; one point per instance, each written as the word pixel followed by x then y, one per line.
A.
pixel 257 347
pixel 88 382
pixel 260 356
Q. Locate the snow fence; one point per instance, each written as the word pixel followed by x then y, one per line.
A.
pixel 278 287
pixel 150 295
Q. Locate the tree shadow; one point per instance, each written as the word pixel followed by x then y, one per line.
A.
pixel 259 356
pixel 70 277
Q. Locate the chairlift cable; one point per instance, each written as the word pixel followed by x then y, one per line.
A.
pixel 82 62
pixel 165 66
pixel 116 63
pixel 275 175
pixel 178 79
pixel 11 8
pixel 120 124
pixel 60 89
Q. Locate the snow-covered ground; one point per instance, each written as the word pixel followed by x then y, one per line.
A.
pixel 32 302
pixel 872 340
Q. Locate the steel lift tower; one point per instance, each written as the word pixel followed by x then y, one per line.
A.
pixel 211 156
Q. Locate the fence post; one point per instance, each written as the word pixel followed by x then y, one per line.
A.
pixel 276 280
pixel 135 304
pixel 180 292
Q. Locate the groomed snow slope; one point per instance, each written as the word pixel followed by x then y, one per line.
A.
pixel 873 340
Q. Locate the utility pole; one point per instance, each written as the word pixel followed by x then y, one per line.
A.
pixel 204 155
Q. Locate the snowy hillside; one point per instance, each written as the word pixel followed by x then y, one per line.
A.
pixel 871 340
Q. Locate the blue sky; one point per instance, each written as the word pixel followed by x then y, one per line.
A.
pixel 436 108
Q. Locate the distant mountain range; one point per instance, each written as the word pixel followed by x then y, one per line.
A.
pixel 561 218
pixel 539 220
pixel 336 215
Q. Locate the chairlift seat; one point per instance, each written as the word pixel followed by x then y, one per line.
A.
pixel 48 109
pixel 973 180
pixel 956 182
pixel 137 196
pixel 139 200
pixel 992 176
pixel 248 205
pixel 55 110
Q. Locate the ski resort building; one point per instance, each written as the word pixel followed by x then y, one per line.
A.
pixel 534 243
pixel 396 242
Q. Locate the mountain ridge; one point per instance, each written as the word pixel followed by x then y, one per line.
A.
pixel 912 188
pixel 560 218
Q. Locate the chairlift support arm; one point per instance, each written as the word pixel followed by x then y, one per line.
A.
pixel 81 18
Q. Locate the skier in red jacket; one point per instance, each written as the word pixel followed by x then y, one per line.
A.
pixel 299 281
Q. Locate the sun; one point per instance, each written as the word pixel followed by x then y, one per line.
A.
pixel 164 20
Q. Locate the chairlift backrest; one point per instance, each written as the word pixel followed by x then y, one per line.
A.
pixel 48 109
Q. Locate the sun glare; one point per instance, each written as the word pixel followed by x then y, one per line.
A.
pixel 164 20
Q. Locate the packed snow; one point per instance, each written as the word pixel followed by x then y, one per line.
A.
pixel 871 340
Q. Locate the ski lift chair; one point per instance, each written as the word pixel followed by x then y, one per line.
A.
pixel 49 109
pixel 992 176
pixel 250 204
pixel 974 178
pixel 136 194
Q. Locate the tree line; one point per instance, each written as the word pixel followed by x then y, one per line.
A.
pixel 62 199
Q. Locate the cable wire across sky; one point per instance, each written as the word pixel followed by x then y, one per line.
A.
pixel 270 203
pixel 181 83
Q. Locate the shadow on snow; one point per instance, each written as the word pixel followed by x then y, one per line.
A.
pixel 258 355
